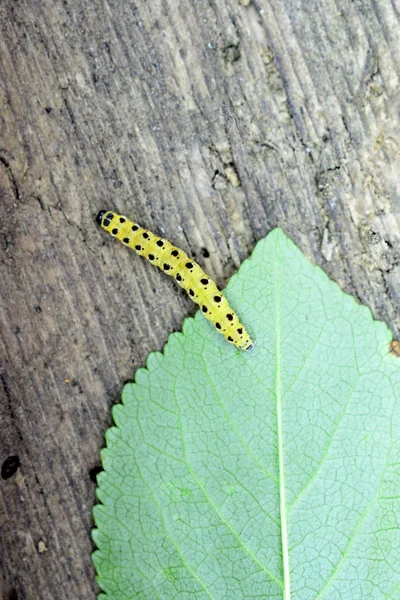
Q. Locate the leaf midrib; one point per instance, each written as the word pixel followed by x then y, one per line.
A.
pixel 278 392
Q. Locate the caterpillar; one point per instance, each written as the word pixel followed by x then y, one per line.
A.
pixel 186 272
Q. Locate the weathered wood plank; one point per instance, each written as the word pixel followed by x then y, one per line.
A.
pixel 210 122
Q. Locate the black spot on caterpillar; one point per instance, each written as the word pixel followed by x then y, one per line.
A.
pixel 188 274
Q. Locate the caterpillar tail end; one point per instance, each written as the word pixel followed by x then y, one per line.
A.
pixel 250 347
pixel 99 218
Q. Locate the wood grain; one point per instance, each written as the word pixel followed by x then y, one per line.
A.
pixel 210 122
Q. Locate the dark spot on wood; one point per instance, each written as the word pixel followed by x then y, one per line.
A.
pixel 10 466
pixel 12 595
pixel 94 472
pixel 231 53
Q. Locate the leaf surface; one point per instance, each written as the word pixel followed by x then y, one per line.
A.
pixel 270 474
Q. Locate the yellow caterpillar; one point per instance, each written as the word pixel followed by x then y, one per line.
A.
pixel 187 273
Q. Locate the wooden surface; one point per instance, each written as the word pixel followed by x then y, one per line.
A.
pixel 210 122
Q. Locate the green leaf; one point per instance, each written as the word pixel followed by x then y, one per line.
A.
pixel 265 474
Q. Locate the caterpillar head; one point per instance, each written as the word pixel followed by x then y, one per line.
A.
pixel 100 216
pixel 104 218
